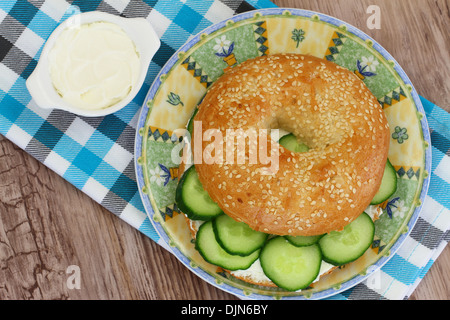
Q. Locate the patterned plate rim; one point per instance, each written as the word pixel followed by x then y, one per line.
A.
pixel 206 276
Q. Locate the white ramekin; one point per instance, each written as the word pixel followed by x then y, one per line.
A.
pixel 40 85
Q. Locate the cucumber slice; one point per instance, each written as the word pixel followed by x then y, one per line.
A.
pixel 193 200
pixel 190 126
pixel 290 267
pixel 237 237
pixel 290 142
pixel 341 247
pixel 303 241
pixel 388 184
pixel 212 252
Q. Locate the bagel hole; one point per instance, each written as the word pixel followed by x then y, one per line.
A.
pixel 286 133
pixel 291 142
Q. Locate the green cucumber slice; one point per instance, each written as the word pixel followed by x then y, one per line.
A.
pixel 290 142
pixel 237 237
pixel 212 252
pixel 388 184
pixel 193 200
pixel 289 267
pixel 190 126
pixel 341 247
pixel 303 241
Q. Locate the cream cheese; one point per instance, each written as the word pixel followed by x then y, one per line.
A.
pixel 256 274
pixel 94 65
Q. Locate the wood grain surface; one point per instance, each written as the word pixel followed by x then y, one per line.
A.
pixel 47 225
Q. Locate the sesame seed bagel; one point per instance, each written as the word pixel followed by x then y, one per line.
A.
pixel 326 107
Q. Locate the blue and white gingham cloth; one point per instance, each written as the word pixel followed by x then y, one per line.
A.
pixel 96 154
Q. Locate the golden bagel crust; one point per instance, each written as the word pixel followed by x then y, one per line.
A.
pixel 325 106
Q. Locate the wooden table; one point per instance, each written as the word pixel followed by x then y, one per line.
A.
pixel 47 225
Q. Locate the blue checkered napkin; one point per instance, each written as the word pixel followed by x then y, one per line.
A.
pixel 96 154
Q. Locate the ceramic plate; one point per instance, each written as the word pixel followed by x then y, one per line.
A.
pixel 184 80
